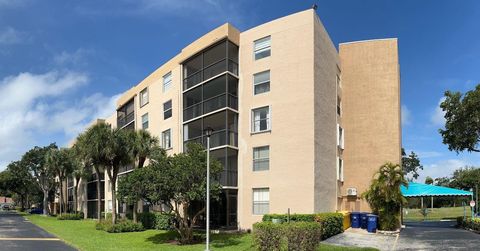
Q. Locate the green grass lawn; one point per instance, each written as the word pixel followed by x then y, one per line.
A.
pixel 84 236
pixel 435 213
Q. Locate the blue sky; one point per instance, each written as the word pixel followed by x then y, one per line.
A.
pixel 63 63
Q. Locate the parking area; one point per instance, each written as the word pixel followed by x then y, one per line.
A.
pixel 438 235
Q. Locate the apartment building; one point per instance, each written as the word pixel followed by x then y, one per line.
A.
pixel 298 125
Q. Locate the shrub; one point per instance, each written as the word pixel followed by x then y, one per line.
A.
pixel 293 217
pixel 164 221
pixel 147 219
pixel 460 221
pixel 303 236
pixel 120 227
pixel 469 223
pixel 267 236
pixel 70 217
pixel 332 224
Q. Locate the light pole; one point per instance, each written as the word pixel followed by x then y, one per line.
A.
pixel 208 132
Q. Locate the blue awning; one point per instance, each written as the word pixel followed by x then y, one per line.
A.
pixel 424 190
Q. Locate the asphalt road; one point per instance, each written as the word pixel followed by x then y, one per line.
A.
pixel 16 233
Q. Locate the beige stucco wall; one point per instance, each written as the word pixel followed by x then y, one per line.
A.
pixel 371 113
pixel 291 178
pixel 326 64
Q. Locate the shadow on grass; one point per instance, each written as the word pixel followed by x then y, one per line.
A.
pixel 218 240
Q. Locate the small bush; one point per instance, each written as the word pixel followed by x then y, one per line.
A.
pixel 164 221
pixel 460 221
pixel 388 221
pixel 70 217
pixel 469 223
pixel 332 224
pixel 268 236
pixel 147 219
pixel 303 236
pixel 120 227
pixel 293 217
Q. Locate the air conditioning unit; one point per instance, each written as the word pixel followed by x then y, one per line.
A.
pixel 351 191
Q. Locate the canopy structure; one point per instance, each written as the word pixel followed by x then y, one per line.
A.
pixel 424 190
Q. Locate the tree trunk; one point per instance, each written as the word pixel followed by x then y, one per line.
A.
pixel 99 196
pixel 114 200
pixel 45 202
pixel 60 201
pixel 75 199
pixel 135 206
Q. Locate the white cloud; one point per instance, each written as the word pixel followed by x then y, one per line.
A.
pixel 37 106
pixel 10 35
pixel 441 168
pixel 438 116
pixel 406 116
pixel 77 57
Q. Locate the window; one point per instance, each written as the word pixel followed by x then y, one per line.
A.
pixel 109 209
pixel 341 137
pixel 261 119
pixel 144 97
pixel 261 82
pixel 167 81
pixel 167 109
pixel 339 169
pixel 261 158
pixel 262 48
pixel 166 139
pixel 145 121
pixel 261 201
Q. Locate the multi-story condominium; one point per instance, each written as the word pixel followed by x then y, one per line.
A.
pixel 298 125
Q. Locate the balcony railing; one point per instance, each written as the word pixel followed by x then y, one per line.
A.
pixel 210 71
pixel 122 121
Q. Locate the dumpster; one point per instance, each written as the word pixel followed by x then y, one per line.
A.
pixel 346 219
pixel 363 220
pixel 355 218
pixel 372 223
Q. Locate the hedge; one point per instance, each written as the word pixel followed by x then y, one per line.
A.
pixel 293 217
pixel 469 223
pixel 304 236
pixel 78 216
pixel 332 223
pixel 121 227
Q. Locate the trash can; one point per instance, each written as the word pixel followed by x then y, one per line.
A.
pixel 355 219
pixel 346 219
pixel 363 220
pixel 372 223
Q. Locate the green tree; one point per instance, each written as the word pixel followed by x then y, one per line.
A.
pixel 112 149
pixel 61 162
pixel 18 181
pixel 90 148
pixel 82 167
pixel 442 181
pixel 44 175
pixel 411 165
pixel 429 180
pixel 462 116
pixel 133 188
pixel 384 195
pixel 143 144
pixel 182 181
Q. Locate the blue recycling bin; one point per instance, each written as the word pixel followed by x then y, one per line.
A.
pixel 355 218
pixel 372 223
pixel 363 220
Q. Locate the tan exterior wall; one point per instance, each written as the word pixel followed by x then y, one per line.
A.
pixel 291 179
pixel 371 113
pixel 326 65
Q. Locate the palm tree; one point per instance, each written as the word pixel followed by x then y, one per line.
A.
pixel 59 160
pixel 143 144
pixel 92 147
pixel 81 167
pixel 385 197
